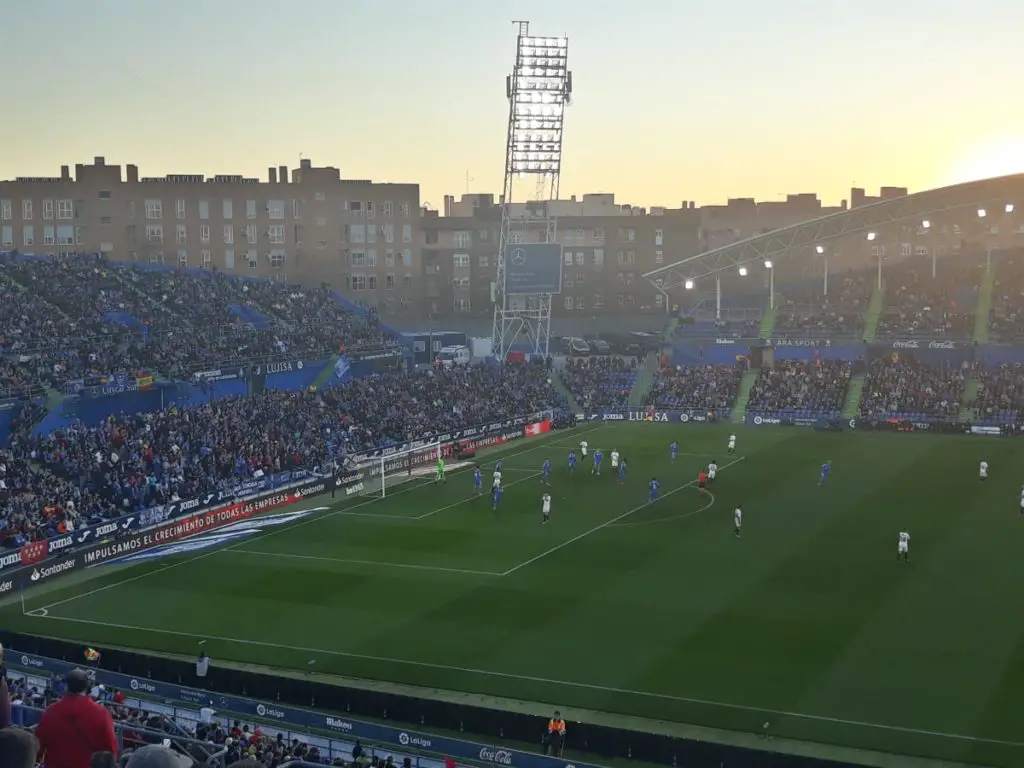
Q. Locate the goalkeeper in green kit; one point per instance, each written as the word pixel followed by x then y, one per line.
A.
pixel 439 475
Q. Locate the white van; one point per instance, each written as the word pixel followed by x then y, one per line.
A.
pixel 457 354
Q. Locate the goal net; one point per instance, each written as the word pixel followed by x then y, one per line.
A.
pixel 374 476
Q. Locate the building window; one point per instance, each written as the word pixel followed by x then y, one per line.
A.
pixel 204 209
pixel 357 259
pixel 567 258
pixel 319 197
pixel 463 239
pixel 599 259
pixel 227 209
pixel 569 302
pixel 407 233
pixel 356 233
pixel 275 209
pixel 598 300
pixel 7 237
pixel 48 209
pixel 659 257
pixel 79 240
pixel 515 238
pixel 371 233
pixel 358 282
pixel 6 213
pixel 106 247
pixel 906 249
pixel 371 282
pixel 156 257
pixel 389 233
pixel 229 258
pixel 104 194
pixel 276 234
pixel 320 221
pixel 463 305
pixel 252 259
pixel 389 281
pixel 461 282
pixel 155 233
pixel 581 258
pixel 65 235
pixel 229 234
pixel 28 236
pixel 580 277
pixel 404 209
pixel 250 233
pixel 205 259
pixel 65 210
pixel 484 262
pixel 26 210
pixel 321 243
pixel 276 259
pixel 129 209
pixel 180 234
pixel 387 209
pixel 183 258
pixel 106 221
pixel 406 258
pixel 154 209
pixel 179 210
pixel 581 304
pixel 369 209
pixel 631 235
pixel 296 209
pixel 460 260
pixel 659 299
pixel 598 235
pixel 48 237
pixel 406 284
pixel 659 237
pixel 389 258
pixel 250 209
pixel 204 233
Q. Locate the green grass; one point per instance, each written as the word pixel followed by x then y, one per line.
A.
pixel 807 622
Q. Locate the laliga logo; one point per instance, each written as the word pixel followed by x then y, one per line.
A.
pixel 684 418
pixel 403 739
pixel 758 419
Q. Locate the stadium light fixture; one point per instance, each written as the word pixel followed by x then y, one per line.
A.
pixel 743 271
pixel 539 90
pixel 926 224
pixel 1009 207
pixel 768 264
pixel 688 285
pixel 819 249
pixel 871 236
pixel 982 213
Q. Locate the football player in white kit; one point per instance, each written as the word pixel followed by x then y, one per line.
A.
pixel 983 469
pixel 732 444
pixel 584 445
pixel 1022 499
pixel 496 479
pixel 712 471
pixel 545 508
pixel 615 459
pixel 903 548
pixel 737 518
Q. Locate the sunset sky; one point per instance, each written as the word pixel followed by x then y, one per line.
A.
pixel 674 100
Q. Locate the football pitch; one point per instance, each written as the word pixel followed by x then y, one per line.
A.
pixel 807 622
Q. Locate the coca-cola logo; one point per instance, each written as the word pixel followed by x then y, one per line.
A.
pixel 496 756
pixel 906 345
pixel 941 345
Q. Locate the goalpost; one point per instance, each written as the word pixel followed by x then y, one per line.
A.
pixel 384 472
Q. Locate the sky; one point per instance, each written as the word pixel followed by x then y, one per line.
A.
pixel 673 100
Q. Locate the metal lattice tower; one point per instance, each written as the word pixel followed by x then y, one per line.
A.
pixel 538 91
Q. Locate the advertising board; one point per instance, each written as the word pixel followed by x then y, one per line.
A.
pixel 533 269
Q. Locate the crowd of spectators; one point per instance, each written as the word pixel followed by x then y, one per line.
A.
pixel 1006 318
pixel 815 388
pixel 1001 395
pixel 88 472
pixel 600 382
pixel 939 306
pixel 904 387
pixel 75 318
pixel 836 314
pixel 698 387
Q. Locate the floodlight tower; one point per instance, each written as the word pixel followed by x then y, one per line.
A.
pixel 529 259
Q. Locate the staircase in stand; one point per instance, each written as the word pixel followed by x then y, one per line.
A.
pixel 559 385
pixel 971 389
pixel 644 379
pixel 852 404
pixel 988 281
pixel 874 312
pixel 739 410
pixel 768 318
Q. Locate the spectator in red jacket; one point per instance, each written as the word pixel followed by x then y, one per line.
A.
pixel 75 728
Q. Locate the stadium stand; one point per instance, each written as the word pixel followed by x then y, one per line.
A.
pixel 1001 394
pixel 1006 318
pixel 597 382
pixel 919 305
pixel 698 387
pixel 807 389
pixel 903 388
pixel 807 311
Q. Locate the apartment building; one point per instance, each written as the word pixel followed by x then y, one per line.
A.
pixel 304 225
pixel 606 248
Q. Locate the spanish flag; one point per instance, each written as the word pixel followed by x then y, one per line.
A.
pixel 92 655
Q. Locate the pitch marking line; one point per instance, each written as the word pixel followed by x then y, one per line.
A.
pixel 544 680
pixel 670 518
pixel 611 522
pixel 274 532
pixel 288 555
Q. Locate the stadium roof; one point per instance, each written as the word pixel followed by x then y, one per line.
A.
pixel 990 194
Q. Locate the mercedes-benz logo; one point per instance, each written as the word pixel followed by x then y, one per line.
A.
pixel 519 257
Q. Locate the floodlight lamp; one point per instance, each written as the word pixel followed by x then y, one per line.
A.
pixel 688 285
pixel 820 249
pixel 982 213
pixel 768 264
pixel 743 271
pixel 1009 207
pixel 926 224
pixel 872 235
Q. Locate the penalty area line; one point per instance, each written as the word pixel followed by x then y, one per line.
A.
pixel 670 518
pixel 487 673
